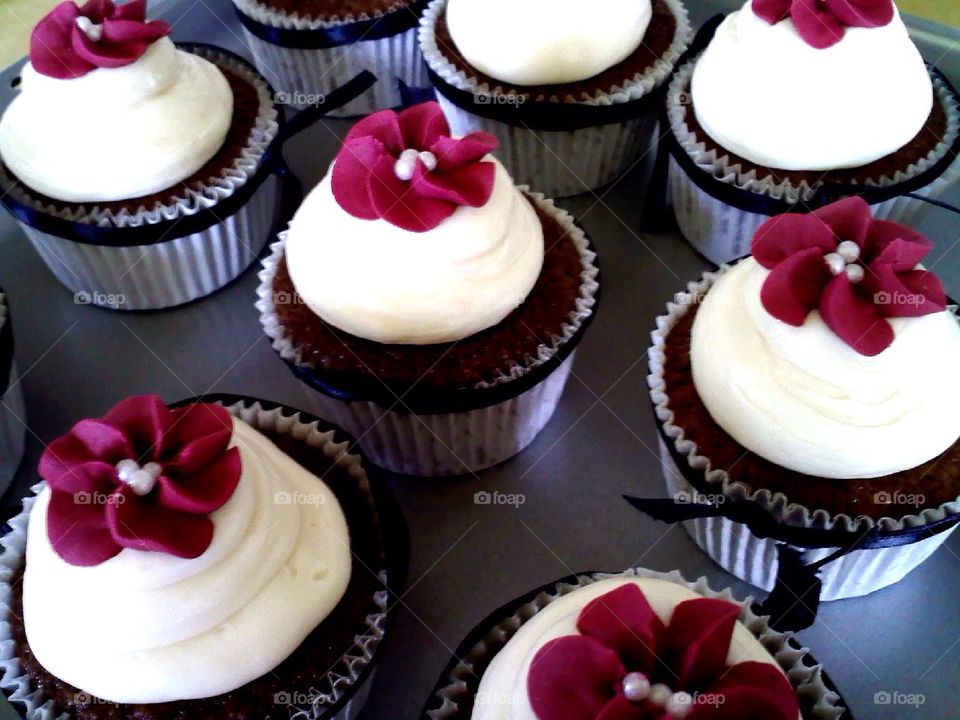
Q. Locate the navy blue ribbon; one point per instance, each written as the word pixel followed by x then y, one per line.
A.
pixel 6 349
pixel 270 164
pixel 387 25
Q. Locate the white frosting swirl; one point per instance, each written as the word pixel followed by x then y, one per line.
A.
pixel 117 133
pixel 502 694
pixel 149 627
pixel 802 398
pixel 383 283
pixel 764 94
pixel 539 42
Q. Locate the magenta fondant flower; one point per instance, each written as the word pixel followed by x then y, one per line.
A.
pixel 143 477
pixel 407 169
pixel 822 23
pixel 855 270
pixel 626 665
pixel 71 41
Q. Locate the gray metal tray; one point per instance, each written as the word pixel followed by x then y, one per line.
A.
pixel 469 558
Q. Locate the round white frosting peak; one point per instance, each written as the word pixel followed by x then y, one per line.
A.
pixel 380 282
pixel 117 133
pixel 802 398
pixel 146 627
pixel 763 93
pixel 540 42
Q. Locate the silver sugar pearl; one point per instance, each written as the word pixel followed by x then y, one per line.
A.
pixel 855 273
pixel 680 705
pixel 849 251
pixel 660 694
pixel 835 262
pixel 636 687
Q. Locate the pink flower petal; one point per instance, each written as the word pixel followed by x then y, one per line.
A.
pixel 573 678
pixel 422 125
pixel 200 432
pixel 78 531
pixel 619 708
pixel 62 457
pixel 205 491
pixel 51 52
pixel 103 441
pixel 913 293
pixel 848 219
pixel 784 235
pixel 815 24
pixel 698 640
pixel 468 149
pixel 351 178
pixel 399 203
pixel 143 525
pixel 145 421
pixel 773 11
pixel 133 36
pixel 133 10
pixel 98 10
pixel 750 691
pixel 892 243
pixel 469 185
pixel 623 621
pixel 855 320
pixel 383 126
pixel 792 289
pixel 862 13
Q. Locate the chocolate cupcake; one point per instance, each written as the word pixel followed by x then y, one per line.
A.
pixel 143 172
pixel 638 644
pixel 309 48
pixel 211 572
pixel 815 380
pixel 433 305
pixel 13 417
pixel 572 96
pixel 862 115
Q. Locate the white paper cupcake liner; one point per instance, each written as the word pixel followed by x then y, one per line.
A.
pixel 177 270
pixel 721 232
pixel 807 678
pixel 13 416
pixel 567 162
pixel 303 76
pixel 732 545
pixel 460 442
pixel 345 684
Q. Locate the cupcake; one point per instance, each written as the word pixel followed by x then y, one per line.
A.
pixel 639 644
pixel 815 381
pixel 860 114
pixel 309 48
pixel 13 416
pixel 572 96
pixel 191 562
pixel 143 172
pixel 433 305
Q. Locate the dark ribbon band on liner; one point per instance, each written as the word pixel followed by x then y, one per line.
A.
pixel 270 164
pixel 758 203
pixel 387 25
pixel 6 350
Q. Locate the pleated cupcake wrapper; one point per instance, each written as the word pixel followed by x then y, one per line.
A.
pixel 731 544
pixel 722 232
pixel 340 685
pixel 559 163
pixel 179 269
pixel 13 415
pixel 807 679
pixel 457 442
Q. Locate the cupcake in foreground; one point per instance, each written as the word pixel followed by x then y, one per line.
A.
pixel 640 645
pixel 572 96
pixel 434 305
pixel 817 379
pixel 176 562
pixel 308 48
pixel 862 111
pixel 136 166
pixel 13 417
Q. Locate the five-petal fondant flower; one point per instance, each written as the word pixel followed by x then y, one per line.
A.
pixel 855 270
pixel 143 476
pixel 822 23
pixel 71 41
pixel 407 169
pixel 625 664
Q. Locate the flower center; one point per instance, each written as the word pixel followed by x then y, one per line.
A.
pixel 637 688
pixel 93 32
pixel 844 260
pixel 407 163
pixel 140 479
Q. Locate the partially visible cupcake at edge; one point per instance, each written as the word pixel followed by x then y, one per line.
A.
pixel 176 562
pixel 786 100
pixel 308 48
pixel 114 126
pixel 816 378
pixel 594 75
pixel 433 304
pixel 641 645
